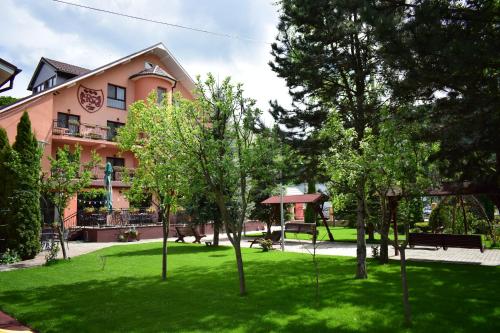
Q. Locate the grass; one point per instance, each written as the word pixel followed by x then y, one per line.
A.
pixel 125 294
pixel 346 234
pixel 340 234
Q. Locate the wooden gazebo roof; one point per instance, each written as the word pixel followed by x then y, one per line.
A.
pixel 302 198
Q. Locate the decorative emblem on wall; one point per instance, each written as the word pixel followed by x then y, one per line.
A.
pixel 90 99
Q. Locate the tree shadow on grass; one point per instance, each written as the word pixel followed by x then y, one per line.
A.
pixel 172 249
pixel 203 296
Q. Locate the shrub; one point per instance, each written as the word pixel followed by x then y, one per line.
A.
pixel 51 256
pixel 423 226
pixel 9 257
pixel 440 217
pixel 266 245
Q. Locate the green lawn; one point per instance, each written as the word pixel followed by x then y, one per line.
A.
pixel 340 234
pixel 345 234
pixel 202 294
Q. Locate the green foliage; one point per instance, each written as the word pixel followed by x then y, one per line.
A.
pixel 310 213
pixel 5 187
pixel 67 177
pixel 53 252
pixel 9 257
pixel 141 299
pixel 24 216
pixel 442 55
pixel 266 245
pixel 7 100
pixel 440 217
pixel 151 134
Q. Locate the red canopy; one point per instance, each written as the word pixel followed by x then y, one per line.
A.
pixel 303 198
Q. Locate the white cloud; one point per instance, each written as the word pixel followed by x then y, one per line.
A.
pixel 90 39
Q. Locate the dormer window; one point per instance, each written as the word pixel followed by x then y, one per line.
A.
pixel 45 85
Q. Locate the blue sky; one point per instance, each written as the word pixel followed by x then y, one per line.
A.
pixel 35 28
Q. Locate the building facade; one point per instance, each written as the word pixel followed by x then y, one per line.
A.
pixel 72 105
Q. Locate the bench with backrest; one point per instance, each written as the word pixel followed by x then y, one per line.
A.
pixel 184 231
pixel 446 240
pixel 302 228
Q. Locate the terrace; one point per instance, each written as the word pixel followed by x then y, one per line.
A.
pixel 74 130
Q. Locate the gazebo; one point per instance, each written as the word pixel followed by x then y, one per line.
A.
pixel 446 189
pixel 315 199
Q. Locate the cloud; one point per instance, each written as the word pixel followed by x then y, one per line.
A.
pixel 32 29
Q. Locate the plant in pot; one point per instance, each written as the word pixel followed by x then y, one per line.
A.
pixel 89 210
pixel 132 235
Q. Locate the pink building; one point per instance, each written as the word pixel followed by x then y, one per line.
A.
pixel 72 105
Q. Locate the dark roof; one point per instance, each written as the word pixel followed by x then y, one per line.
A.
pixel 59 66
pixel 302 198
pixel 14 70
pixel 67 68
pixel 156 70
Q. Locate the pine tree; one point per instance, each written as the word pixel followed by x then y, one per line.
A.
pixel 25 217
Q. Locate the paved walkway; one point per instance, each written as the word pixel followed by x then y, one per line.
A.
pixel 467 256
pixel 9 324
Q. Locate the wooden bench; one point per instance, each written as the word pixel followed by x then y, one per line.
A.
pixel 302 228
pixel 184 231
pixel 446 240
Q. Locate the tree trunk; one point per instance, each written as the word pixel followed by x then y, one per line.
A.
pixel 404 285
pixel 239 263
pixel 165 221
pixel 217 224
pixel 466 227
pixel 360 225
pixel 384 231
pixel 60 233
pixel 235 239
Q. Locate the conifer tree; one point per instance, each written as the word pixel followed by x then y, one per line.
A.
pixel 24 202
pixel 4 188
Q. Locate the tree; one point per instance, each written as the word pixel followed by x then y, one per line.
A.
pixel 267 175
pixel 326 52
pixel 151 134
pixel 24 198
pixel 7 100
pixel 217 134
pixel 443 55
pixel 67 177
pixel 5 190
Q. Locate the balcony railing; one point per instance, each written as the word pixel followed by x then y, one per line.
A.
pixel 119 173
pixel 82 130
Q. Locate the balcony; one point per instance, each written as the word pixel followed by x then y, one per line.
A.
pixel 118 176
pixel 82 132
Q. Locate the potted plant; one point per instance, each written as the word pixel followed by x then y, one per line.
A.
pixel 89 210
pixel 132 234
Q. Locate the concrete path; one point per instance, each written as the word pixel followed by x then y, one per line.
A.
pixel 488 258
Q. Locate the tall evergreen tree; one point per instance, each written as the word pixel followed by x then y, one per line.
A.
pixel 326 52
pixel 443 54
pixel 25 216
pixel 4 188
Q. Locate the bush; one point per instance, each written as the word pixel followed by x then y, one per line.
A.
pixel 266 245
pixel 440 217
pixel 423 226
pixel 9 257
